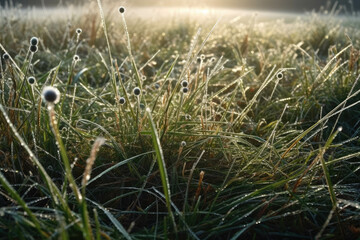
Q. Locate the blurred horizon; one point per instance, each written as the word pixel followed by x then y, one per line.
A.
pixel 270 5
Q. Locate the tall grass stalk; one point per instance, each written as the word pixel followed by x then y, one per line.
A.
pixel 87 231
pixel 162 166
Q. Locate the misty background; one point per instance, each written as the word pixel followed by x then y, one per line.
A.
pixel 274 5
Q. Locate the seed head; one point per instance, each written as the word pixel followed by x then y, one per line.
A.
pixel 34 41
pixel 31 80
pixel 122 101
pixel 184 83
pixel 33 48
pixel 6 56
pixel 185 90
pixel 202 56
pixel 183 143
pixel 121 9
pixel 143 78
pixel 51 94
pixel 157 86
pixel 137 91
pixel 79 31
pixel 76 58
pixel 213 59
pixel 280 75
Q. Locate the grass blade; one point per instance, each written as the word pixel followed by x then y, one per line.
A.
pixel 161 162
pixel 117 224
pixel 22 203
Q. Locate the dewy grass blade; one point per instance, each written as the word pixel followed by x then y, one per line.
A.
pixel 326 117
pixel 116 166
pixel 132 60
pixel 165 81
pixel 87 232
pixel 7 186
pixel 161 162
pixel 117 224
pixel 112 70
pixel 54 191
pixel 326 170
pixel 328 178
pixel 63 153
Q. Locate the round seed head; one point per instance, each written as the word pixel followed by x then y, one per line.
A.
pixel 184 83
pixel 33 48
pixel 78 30
pixel 137 91
pixel 51 94
pixel 6 56
pixel 31 80
pixel 213 59
pixel 121 9
pixel 157 86
pixel 185 90
pixel 202 56
pixel 76 58
pixel 143 78
pixel 280 75
pixel 122 101
pixel 34 41
pixel 183 143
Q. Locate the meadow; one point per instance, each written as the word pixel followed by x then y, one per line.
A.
pixel 140 124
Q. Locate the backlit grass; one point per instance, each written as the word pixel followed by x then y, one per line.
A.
pixel 185 127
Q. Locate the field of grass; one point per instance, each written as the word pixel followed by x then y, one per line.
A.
pixel 263 143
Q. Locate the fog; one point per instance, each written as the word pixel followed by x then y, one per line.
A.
pixel 273 5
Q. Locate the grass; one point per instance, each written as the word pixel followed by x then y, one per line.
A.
pixel 252 151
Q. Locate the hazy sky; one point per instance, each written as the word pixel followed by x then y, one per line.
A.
pixel 279 5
